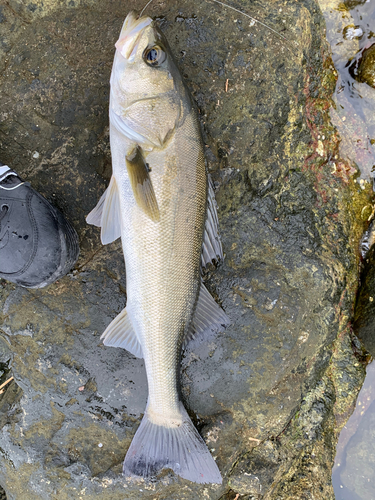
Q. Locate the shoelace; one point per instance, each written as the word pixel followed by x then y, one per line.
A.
pixel 5 172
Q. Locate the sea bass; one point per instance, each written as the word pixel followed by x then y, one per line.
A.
pixel 161 204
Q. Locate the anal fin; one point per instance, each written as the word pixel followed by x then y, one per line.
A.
pixel 120 333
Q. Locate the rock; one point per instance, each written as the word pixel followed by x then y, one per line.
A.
pixel 351 4
pixel 366 67
pixel 364 313
pixel 264 393
pixel 353 108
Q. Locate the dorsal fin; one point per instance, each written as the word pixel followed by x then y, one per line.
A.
pixel 211 248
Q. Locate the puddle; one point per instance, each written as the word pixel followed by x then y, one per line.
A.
pixel 353 475
pixel 350 26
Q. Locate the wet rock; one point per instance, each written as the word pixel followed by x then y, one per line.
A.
pixel 366 67
pixel 351 4
pixel 262 393
pixel 364 315
pixel 353 111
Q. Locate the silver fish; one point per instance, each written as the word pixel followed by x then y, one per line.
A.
pixel 160 202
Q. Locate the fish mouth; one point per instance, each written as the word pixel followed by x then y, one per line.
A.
pixel 131 33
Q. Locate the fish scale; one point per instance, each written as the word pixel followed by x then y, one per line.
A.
pixel 170 261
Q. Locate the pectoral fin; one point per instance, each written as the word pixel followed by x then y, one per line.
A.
pixel 141 184
pixel 120 333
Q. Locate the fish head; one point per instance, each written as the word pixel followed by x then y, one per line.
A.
pixel 147 91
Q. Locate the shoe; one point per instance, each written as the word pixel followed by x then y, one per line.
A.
pixel 37 244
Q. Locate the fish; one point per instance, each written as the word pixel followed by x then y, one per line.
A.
pixel 161 202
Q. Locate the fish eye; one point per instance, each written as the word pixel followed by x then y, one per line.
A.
pixel 154 56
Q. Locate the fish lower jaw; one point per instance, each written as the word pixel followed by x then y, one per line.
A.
pixel 166 420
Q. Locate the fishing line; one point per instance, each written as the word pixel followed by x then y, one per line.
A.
pixel 235 10
pixel 247 15
pixel 145 7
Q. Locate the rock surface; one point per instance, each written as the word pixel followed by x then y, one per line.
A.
pixel 269 394
pixel 364 312
pixel 366 67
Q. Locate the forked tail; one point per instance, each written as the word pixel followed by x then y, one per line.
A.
pixel 180 448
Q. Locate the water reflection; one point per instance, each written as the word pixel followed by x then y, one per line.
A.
pixel 353 474
pixel 349 31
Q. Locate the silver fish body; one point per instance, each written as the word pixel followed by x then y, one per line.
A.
pixel 157 203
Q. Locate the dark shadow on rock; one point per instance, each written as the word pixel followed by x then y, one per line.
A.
pixel 364 313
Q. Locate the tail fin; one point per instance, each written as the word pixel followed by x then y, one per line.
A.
pixel 155 447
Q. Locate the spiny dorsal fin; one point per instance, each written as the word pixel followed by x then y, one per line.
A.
pixel 120 333
pixel 141 184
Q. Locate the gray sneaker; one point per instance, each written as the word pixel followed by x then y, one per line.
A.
pixel 37 244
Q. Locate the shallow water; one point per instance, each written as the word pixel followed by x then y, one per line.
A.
pixel 350 26
pixel 353 475
pixel 350 33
